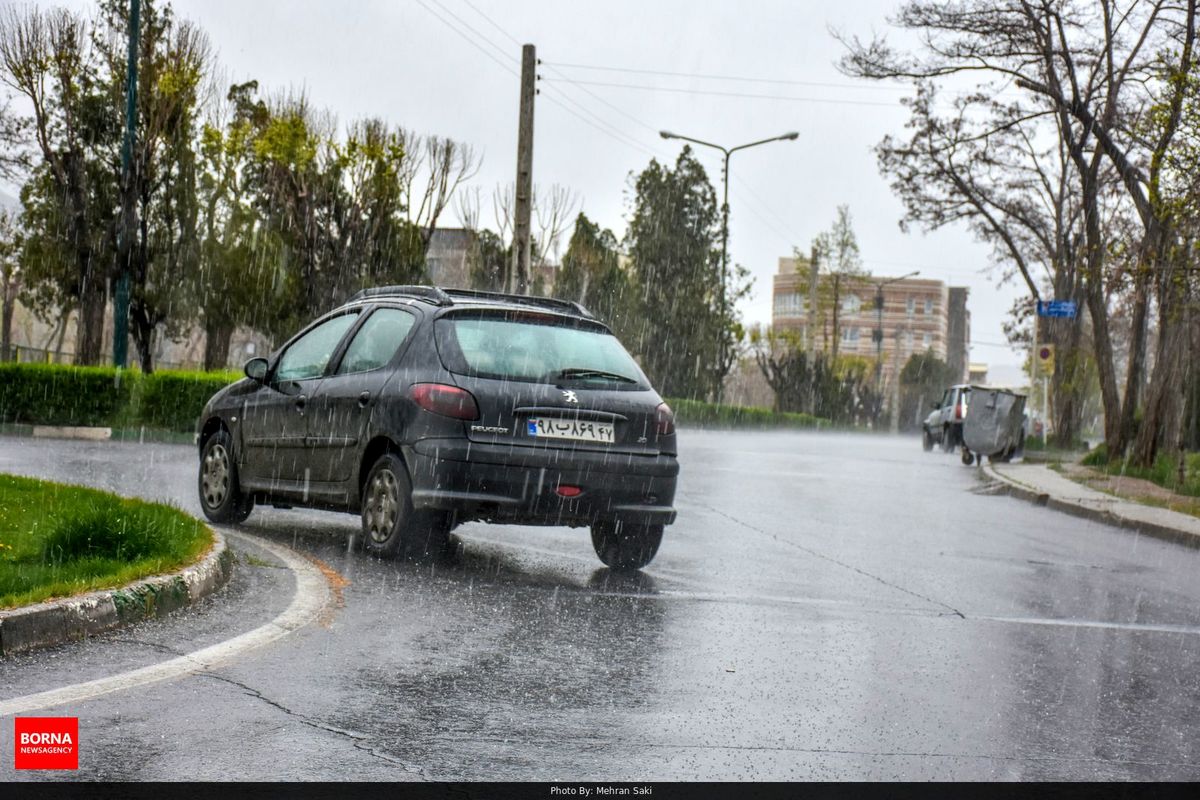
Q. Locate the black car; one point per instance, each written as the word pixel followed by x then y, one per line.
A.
pixel 422 408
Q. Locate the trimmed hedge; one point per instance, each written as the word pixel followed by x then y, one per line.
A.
pixel 173 400
pixel 51 394
pixel 710 415
pixel 55 394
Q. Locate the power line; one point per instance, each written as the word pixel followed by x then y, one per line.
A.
pixel 469 40
pixel 748 95
pixel 734 78
pixel 471 28
pixel 598 122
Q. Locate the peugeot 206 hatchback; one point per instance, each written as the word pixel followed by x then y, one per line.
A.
pixel 421 408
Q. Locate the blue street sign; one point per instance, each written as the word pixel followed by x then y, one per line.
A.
pixel 1057 308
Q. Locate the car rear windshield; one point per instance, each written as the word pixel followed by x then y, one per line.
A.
pixel 527 346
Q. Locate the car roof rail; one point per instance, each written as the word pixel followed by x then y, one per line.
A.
pixel 551 303
pixel 430 294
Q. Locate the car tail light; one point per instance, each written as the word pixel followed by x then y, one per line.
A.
pixel 664 420
pixel 569 491
pixel 448 401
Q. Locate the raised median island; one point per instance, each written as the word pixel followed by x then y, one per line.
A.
pixel 76 561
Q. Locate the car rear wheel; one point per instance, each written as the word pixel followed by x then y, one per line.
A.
pixel 221 498
pixel 926 440
pixel 391 526
pixel 625 546
pixel 948 439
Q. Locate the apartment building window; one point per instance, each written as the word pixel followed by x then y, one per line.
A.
pixel 851 304
pixel 912 305
pixel 850 337
pixel 928 306
pixel 789 304
pixel 927 340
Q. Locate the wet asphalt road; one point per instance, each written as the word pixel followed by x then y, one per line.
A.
pixel 826 607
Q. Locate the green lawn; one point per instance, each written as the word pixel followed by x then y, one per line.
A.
pixel 58 540
pixel 1165 471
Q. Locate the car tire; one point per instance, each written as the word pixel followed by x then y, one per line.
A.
pixel 221 496
pixel 947 439
pixel 969 458
pixel 391 526
pixel 624 546
pixel 926 440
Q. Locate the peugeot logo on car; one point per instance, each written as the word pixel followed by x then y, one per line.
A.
pixel 569 396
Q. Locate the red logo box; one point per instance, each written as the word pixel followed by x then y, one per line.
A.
pixel 46 742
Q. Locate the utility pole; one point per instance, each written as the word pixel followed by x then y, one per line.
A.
pixel 126 232
pixel 522 243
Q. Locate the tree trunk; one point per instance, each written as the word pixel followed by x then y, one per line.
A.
pixel 142 328
pixel 1137 364
pixel 6 321
pixel 1103 349
pixel 216 345
pixel 1163 409
pixel 89 340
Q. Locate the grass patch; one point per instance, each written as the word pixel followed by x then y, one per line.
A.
pixel 58 540
pixel 1165 471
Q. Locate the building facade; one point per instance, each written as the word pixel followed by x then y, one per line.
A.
pixel 917 315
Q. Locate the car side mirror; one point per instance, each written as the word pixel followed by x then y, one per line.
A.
pixel 256 369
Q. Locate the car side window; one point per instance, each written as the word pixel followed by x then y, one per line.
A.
pixel 308 356
pixel 376 341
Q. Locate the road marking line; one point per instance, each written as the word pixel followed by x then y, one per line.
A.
pixel 312 594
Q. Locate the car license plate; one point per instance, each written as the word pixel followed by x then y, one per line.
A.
pixel 581 430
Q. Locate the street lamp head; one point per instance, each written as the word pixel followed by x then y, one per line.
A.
pixel 667 135
pixel 791 136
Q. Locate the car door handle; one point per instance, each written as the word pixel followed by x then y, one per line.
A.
pixel 363 399
pixel 301 402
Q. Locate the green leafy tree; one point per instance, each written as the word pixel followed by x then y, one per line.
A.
pixel 922 381
pixel 677 324
pixel 838 257
pixel 592 275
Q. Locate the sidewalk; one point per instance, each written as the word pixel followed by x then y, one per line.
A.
pixel 1044 486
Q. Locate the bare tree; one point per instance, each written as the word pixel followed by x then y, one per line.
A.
pixel 553 212
pixel 1096 72
pixel 434 168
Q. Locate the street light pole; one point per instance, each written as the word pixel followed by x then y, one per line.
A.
pixel 727 151
pixel 877 335
pixel 127 228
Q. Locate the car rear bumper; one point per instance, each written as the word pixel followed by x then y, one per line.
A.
pixel 520 484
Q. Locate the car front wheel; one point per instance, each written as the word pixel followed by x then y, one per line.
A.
pixel 625 546
pixel 221 497
pixel 391 526
pixel 926 440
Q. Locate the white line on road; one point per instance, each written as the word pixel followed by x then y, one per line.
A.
pixel 312 593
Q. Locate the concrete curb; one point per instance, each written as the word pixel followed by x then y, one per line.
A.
pixel 71 432
pixel 74 618
pixel 1155 530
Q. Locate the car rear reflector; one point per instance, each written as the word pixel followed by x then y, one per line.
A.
pixel 448 401
pixel 569 491
pixel 664 420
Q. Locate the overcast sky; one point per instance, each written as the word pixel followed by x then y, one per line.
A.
pixel 398 60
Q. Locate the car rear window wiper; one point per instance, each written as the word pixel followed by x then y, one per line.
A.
pixel 583 372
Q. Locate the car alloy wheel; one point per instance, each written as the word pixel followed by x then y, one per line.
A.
pixel 383 506
pixel 214 479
